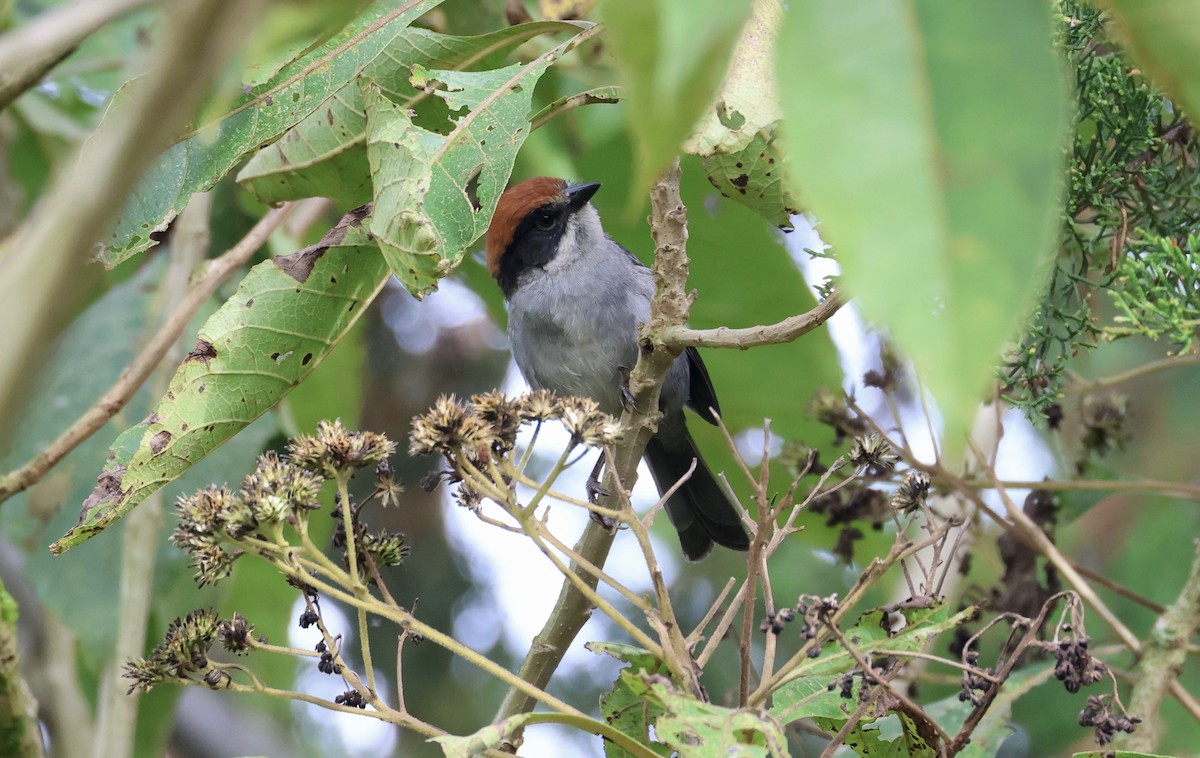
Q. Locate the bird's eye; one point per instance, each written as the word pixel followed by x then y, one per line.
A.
pixel 544 221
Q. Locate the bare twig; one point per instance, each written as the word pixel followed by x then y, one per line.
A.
pixel 787 330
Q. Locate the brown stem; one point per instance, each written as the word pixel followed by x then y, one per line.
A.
pixel 787 330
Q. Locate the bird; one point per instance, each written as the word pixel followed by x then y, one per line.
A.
pixel 575 299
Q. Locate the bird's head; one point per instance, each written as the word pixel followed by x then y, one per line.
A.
pixel 537 222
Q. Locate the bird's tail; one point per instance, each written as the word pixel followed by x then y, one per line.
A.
pixel 699 510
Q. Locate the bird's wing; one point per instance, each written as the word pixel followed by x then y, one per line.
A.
pixel 702 398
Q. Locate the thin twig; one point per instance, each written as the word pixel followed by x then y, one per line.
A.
pixel 788 330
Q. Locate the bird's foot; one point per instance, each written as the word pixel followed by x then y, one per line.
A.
pixel 627 399
pixel 595 490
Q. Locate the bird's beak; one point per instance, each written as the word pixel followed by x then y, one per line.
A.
pixel 579 194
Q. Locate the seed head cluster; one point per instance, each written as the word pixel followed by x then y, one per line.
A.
pixel 473 434
pixel 282 491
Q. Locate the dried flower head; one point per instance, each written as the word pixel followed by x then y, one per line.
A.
pixel 831 410
pixel 539 405
pixel 335 450
pixel 449 427
pixel 201 517
pixel 212 563
pixel 911 492
pixel 587 425
pixel 387 487
pixel 274 491
pixel 502 415
pixel 236 634
pixel 386 548
pixel 872 453
pixel 184 649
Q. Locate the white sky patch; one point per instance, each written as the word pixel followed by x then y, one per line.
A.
pixel 418 324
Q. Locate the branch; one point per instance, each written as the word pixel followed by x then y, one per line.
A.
pixel 30 51
pixel 787 330
pixel 1163 658
pixel 136 373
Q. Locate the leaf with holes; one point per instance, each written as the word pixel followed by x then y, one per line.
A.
pixel 813 688
pixel 284 318
pixel 326 155
pixel 264 112
pixel 434 193
pixel 736 136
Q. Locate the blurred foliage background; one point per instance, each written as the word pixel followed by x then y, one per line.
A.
pixel 1132 185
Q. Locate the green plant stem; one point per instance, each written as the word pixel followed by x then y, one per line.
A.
pixel 357 585
pixel 406 620
pixel 1163 657
pixel 392 717
pixel 1085 386
pixel 1174 489
pixel 593 726
pixel 541 532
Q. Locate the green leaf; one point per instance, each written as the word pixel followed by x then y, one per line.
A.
pixel 671 57
pixel 260 116
pixel 285 317
pixel 1116 754
pixel 928 138
pixel 325 154
pixel 808 693
pixel 434 193
pixel 736 137
pixel 625 707
pixel 699 730
pixel 1164 37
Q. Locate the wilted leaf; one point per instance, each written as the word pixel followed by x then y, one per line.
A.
pixel 928 139
pixel 285 317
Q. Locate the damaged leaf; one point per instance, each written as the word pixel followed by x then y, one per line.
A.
pixel 737 136
pixel 325 155
pixel 264 112
pixel 425 217
pixel 286 315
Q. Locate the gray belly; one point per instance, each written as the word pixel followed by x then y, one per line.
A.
pixel 571 359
